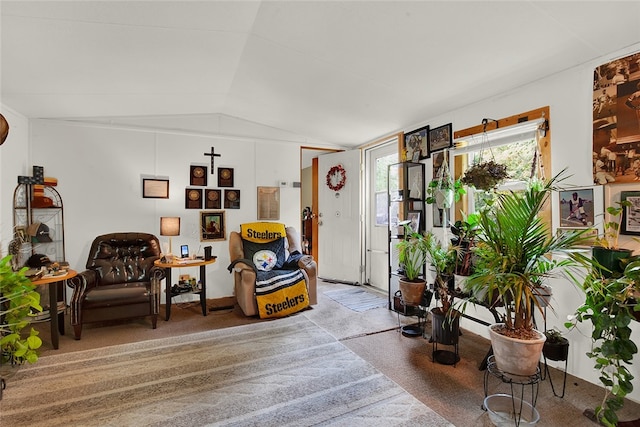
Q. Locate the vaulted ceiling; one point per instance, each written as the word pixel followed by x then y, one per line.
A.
pixel 344 72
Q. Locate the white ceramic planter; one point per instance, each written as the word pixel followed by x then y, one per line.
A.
pixel 516 356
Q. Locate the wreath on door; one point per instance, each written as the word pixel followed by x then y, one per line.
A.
pixel 336 178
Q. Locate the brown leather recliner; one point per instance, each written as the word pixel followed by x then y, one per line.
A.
pixel 245 275
pixel 120 282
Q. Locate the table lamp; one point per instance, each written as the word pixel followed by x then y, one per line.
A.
pixel 170 226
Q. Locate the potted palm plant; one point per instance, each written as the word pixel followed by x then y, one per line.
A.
pixel 17 300
pixel 512 261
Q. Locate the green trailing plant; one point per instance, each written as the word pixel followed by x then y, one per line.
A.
pixel 485 175
pixel 612 228
pixel 611 304
pixel 512 255
pixel 17 300
pixel 465 232
pixel 444 185
pixel 553 336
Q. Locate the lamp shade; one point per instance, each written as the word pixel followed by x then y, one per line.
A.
pixel 170 226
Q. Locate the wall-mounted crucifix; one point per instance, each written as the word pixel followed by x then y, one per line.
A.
pixel 213 156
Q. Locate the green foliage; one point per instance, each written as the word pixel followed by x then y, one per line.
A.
pixel 485 175
pixel 612 228
pixel 412 253
pixel 513 253
pixel 553 335
pixel 17 300
pixel 610 305
pixel 447 185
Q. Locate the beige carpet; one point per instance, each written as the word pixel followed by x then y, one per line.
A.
pixel 456 393
pixel 288 372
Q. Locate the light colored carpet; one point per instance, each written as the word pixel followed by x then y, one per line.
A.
pixel 287 372
pixel 357 299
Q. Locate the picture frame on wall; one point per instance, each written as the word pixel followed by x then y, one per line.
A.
pixel 440 138
pixel 153 188
pixel 414 220
pixel 269 203
pixel 577 207
pixel 225 177
pixel 212 199
pixel 630 214
pixel 416 142
pixel 212 226
pixel 193 198
pixel 198 175
pixel 232 199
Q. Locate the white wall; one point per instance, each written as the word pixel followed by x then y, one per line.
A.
pixel 100 168
pixel 569 96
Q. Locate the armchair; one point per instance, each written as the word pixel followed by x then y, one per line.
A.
pixel 120 281
pixel 245 273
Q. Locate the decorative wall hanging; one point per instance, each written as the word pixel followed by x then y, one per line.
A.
pixel 336 178
pixel 616 121
pixel 212 199
pixel 212 226
pixel 213 156
pixel 416 142
pixel 440 138
pixel 269 203
pixel 155 188
pixel 193 198
pixel 232 199
pixel 631 214
pixel 198 175
pixel 225 177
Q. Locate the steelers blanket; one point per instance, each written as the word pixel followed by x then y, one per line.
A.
pixel 280 293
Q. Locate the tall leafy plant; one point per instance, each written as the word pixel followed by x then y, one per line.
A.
pixel 17 299
pixel 512 254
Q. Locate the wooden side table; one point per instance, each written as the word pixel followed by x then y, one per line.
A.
pixel 178 263
pixel 57 325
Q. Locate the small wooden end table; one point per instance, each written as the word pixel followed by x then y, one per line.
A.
pixel 181 263
pixel 57 325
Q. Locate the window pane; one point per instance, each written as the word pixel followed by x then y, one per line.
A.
pixel 382 203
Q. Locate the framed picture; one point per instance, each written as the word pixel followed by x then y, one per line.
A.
pixel 592 234
pixel 212 226
pixel 212 199
pixel 269 203
pixel 232 199
pixel 440 138
pixel 198 175
pixel 577 208
pixel 193 198
pixel 416 142
pixel 438 215
pixel 225 177
pixel 414 218
pixel 155 188
pixel 631 214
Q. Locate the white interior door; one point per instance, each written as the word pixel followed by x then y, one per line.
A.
pixel 377 160
pixel 339 224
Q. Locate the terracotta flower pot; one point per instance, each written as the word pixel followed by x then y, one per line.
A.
pixel 412 292
pixel 516 356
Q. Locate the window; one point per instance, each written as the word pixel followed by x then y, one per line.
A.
pixel 382 203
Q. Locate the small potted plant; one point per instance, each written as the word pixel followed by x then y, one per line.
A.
pixel 412 253
pixel 556 347
pixel 18 299
pixel 606 250
pixel 443 191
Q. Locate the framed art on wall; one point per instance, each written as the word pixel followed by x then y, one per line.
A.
pixel 577 207
pixel 631 214
pixel 268 203
pixel 225 177
pixel 232 199
pixel 198 175
pixel 155 188
pixel 193 198
pixel 441 138
pixel 415 142
pixel 212 199
pixel 212 226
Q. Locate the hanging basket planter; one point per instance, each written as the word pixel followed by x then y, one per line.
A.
pixel 485 175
